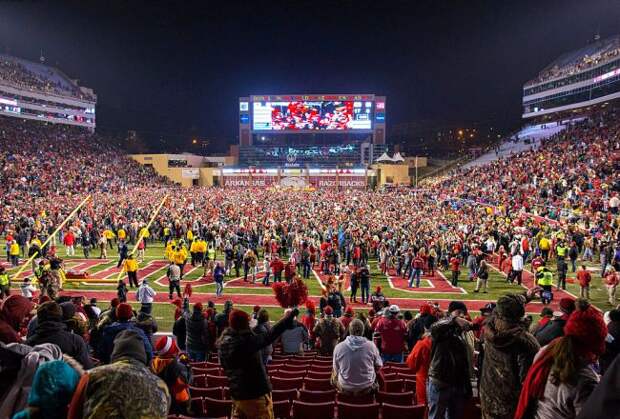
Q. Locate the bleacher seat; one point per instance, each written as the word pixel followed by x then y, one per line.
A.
pixel 391 411
pixel 282 409
pixel 401 399
pixel 317 384
pixel 302 410
pixel 310 396
pixel 217 380
pixel 279 383
pixel 355 399
pixel 217 408
pixel 214 392
pixel 393 386
pixel 279 395
pixel 291 374
pixel 199 380
pixel 358 411
pixel 408 385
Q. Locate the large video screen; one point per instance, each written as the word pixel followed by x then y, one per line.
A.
pixel 312 116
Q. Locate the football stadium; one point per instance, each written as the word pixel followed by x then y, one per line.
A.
pixel 324 258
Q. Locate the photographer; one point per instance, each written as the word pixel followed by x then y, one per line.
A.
pixel 449 375
pixel 241 358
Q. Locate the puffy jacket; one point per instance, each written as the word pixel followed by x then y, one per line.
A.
pixel 197 332
pixel 70 344
pixel 450 361
pixel 240 356
pixel 509 350
pixel 110 332
pixel 553 329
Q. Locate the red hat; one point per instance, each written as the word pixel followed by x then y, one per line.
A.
pixel 329 311
pixel 586 325
pixel 371 312
pixel 198 306
pixel 349 310
pixel 238 320
pixel 166 347
pixel 567 305
pixel 378 289
pixel 177 302
pixel 426 309
pixel 124 311
pixel 44 299
pixel 256 308
pixel 115 302
pixel 310 306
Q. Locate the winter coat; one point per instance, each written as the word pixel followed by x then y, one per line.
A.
pixel 240 356
pixel 293 339
pixel 567 400
pixel 56 332
pixel 553 329
pixel 263 329
pixel 109 333
pixel 125 388
pixel 509 350
pixel 197 333
pixel 450 357
pixel 17 369
pixel 329 331
pixel 14 309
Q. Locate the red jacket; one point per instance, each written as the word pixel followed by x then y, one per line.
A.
pixel 419 361
pixel 584 278
pixel 393 332
pixel 454 264
pixel 69 239
pixel 612 279
pixel 276 266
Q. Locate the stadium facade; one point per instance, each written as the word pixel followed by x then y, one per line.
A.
pixel 40 92
pixel 582 78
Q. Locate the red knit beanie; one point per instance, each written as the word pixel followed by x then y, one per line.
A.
pixel 124 311
pixel 177 302
pixel 587 326
pixel 238 320
pixel 349 310
pixel 115 302
pixel 166 347
pixel 198 307
pixel 425 309
pixel 256 308
pixel 567 305
pixel 328 311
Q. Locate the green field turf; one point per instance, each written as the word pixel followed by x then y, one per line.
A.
pixel 163 311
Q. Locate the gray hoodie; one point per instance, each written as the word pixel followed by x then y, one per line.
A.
pixel 355 361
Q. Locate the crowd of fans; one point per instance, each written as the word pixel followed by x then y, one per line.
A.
pixel 558 202
pixel 47 80
pixel 607 52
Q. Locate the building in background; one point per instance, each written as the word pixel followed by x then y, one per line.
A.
pixel 579 79
pixel 36 91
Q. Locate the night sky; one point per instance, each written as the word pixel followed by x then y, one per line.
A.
pixel 176 69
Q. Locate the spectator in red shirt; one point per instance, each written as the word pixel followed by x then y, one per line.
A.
pixel 584 278
pixel 455 263
pixel 347 317
pixel 393 332
pixel 277 266
pixel 419 360
pixel 69 242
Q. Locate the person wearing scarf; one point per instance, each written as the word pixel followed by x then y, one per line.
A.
pixel 562 378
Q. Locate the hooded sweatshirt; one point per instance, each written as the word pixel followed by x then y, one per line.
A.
pixel 355 360
pixel 14 310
